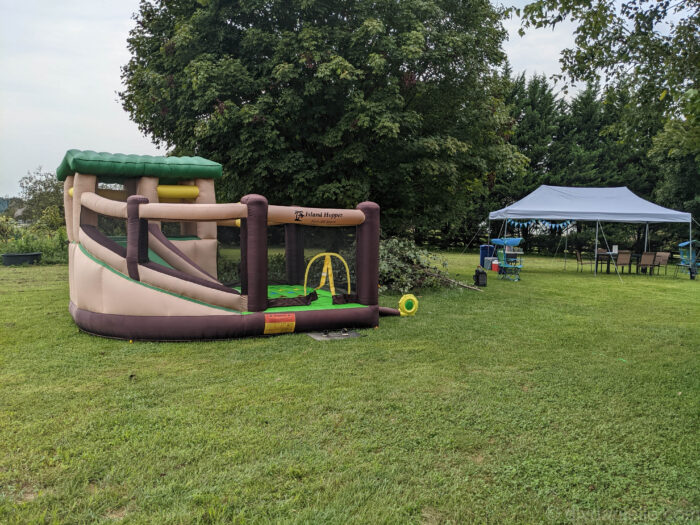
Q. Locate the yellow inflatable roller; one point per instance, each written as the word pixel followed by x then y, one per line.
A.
pixel 169 192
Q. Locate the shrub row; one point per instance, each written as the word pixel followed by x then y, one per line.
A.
pixel 53 244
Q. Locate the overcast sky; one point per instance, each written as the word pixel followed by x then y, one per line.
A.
pixel 60 73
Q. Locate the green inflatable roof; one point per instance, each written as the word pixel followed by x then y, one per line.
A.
pixel 116 167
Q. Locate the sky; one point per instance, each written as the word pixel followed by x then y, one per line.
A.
pixel 60 64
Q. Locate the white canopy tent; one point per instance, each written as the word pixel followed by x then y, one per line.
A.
pixel 590 204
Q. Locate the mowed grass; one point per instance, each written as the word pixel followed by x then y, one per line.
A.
pixel 560 398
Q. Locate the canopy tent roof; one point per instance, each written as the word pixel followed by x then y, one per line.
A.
pixel 588 204
pixel 509 241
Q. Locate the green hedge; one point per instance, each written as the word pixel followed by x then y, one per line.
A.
pixel 53 245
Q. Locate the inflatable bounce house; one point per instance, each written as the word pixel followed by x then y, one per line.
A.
pixel 153 286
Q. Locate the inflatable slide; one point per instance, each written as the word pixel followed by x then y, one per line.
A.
pixel 147 285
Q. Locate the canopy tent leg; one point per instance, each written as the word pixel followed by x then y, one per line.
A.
pixel 609 254
pixel 489 232
pixel 691 251
pixel 556 251
pixel 566 245
pixel 646 237
pixel 596 248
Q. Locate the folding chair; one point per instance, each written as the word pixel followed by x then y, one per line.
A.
pixel 509 263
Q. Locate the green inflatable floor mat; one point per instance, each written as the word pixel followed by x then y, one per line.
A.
pixel 324 301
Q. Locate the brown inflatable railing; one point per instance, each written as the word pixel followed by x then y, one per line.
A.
pixel 278 215
pixel 192 212
pixel 314 216
pixel 225 214
pixel 103 206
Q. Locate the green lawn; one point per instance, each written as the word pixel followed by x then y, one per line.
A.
pixel 560 398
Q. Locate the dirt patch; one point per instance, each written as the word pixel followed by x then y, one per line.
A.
pixel 431 516
pixel 28 494
pixel 477 458
pixel 116 514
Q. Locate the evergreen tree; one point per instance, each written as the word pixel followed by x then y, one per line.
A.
pixel 677 150
pixel 576 154
pixel 631 118
pixel 537 114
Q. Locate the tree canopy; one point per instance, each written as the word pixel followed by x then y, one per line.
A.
pixel 648 55
pixel 39 191
pixel 329 103
pixel 652 42
pixel 413 105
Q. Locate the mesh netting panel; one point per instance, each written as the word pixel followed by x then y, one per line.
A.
pixel 334 240
pixel 111 226
pixel 229 256
pixel 314 241
pixel 276 260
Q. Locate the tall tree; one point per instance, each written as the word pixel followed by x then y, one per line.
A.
pixel 631 118
pixel 654 46
pixel 326 103
pixel 677 150
pixel 575 159
pixel 604 139
pixel 504 166
pixel 39 191
pixel 537 114
pixel 655 43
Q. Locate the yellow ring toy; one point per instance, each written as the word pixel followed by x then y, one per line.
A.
pixel 408 305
